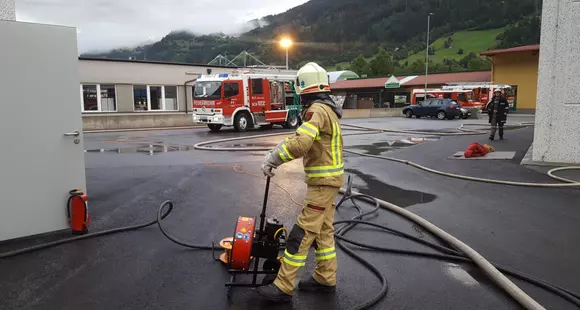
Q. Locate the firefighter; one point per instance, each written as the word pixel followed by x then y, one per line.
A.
pixel 497 110
pixel 319 142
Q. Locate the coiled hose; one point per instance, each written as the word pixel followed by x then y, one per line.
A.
pixel 568 183
pixel 449 253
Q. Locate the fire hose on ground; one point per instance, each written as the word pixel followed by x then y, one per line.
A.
pixel 457 251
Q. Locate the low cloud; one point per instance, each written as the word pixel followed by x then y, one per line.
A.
pixel 106 24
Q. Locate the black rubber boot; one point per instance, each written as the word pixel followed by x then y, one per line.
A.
pixel 273 293
pixel 491 138
pixel 313 285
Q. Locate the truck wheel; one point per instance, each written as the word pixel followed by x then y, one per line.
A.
pixel 242 122
pixel 214 127
pixel 292 122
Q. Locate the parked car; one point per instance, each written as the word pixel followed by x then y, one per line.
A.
pixel 440 108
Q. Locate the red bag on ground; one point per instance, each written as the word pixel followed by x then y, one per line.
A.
pixel 475 150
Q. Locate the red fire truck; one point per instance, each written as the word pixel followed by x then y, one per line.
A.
pixel 484 92
pixel 245 100
pixel 464 98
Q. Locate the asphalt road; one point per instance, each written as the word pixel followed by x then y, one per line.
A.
pixel 129 174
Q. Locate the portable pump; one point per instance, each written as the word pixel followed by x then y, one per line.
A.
pixel 248 246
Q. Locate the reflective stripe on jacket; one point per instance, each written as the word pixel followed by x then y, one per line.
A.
pixel 318 141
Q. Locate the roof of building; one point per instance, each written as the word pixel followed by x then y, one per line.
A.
pixel 414 80
pixel 155 62
pixel 341 75
pixel 519 49
pixel 444 78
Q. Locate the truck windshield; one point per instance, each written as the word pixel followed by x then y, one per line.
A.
pixel 470 96
pixel 208 90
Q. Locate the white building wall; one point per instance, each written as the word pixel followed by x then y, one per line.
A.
pixel 557 124
pixel 7 10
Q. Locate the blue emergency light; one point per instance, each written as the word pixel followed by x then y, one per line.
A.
pixel 223 75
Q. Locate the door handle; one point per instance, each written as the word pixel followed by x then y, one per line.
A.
pixel 75 133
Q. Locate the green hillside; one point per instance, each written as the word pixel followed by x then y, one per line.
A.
pixel 337 32
pixel 469 41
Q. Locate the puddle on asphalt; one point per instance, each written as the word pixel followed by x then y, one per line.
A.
pixel 147 149
pixel 399 196
pixel 387 146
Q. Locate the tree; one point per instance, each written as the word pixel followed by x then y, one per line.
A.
pixel 525 32
pixel 338 68
pixel 417 66
pixel 478 64
pixel 474 62
pixel 382 64
pixel 465 60
pixel 460 51
pixel 360 66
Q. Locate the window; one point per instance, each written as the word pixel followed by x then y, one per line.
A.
pixel 155 98
pixel 98 98
pixel 257 87
pixel 140 97
pixel 461 97
pixel 171 98
pixel 207 90
pixel 231 90
pixel 108 98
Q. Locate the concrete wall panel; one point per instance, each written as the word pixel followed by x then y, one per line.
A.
pixel 557 130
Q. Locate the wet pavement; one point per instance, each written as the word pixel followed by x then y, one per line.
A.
pixel 130 174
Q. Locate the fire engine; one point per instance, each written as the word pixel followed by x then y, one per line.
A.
pixel 484 92
pixel 464 98
pixel 245 100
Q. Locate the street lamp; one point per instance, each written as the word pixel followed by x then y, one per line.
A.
pixel 427 58
pixel 286 43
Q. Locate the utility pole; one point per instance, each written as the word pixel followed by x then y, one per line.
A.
pixel 427 58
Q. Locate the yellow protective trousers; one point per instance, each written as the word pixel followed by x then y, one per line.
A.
pixel 314 228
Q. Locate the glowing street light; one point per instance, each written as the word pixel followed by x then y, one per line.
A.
pixel 286 43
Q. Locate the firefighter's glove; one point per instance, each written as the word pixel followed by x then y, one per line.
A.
pixel 271 161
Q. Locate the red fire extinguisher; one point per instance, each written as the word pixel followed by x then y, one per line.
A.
pixel 78 212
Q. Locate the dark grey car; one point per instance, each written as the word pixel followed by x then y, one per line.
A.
pixel 440 108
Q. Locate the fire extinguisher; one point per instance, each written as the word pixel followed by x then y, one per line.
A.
pixel 78 212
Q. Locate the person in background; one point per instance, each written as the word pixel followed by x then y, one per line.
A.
pixel 497 110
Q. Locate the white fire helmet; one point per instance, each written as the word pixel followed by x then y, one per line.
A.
pixel 312 78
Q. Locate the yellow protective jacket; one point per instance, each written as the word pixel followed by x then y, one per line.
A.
pixel 318 141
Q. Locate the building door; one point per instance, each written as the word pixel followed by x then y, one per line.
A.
pixel 40 128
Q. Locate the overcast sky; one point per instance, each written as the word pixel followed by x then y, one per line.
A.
pixel 105 24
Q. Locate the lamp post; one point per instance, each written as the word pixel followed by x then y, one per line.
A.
pixel 427 57
pixel 286 43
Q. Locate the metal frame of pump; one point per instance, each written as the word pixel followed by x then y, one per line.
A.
pixel 249 245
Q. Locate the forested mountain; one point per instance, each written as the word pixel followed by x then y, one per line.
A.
pixel 338 31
